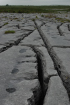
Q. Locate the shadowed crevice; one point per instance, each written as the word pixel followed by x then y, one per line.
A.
pixel 59 30
pixel 42 74
pixel 69 27
pixel 65 77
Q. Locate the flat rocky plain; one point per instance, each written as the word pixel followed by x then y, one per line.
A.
pixel 35 60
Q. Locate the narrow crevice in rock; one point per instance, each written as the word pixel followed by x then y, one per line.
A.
pixel 42 24
pixel 69 27
pixel 31 45
pixel 0 26
pixel 27 62
pixel 36 96
pixel 42 74
pixel 18 26
pixel 9 45
pixel 62 46
pixel 59 30
pixel 65 77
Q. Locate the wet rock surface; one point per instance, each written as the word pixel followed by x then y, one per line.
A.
pixel 34 60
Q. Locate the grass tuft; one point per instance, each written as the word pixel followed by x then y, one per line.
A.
pixel 36 17
pixel 9 31
pixel 5 23
pixel 62 20
pixel 33 19
pixel 42 15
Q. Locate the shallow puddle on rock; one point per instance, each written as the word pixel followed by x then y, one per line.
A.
pixel 22 50
pixel 11 90
pixel 14 71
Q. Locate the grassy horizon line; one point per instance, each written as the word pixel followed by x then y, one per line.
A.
pixel 33 9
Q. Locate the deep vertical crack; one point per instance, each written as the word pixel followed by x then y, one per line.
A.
pixel 65 77
pixel 42 74
pixel 69 27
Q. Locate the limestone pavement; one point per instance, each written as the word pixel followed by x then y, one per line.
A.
pixel 34 60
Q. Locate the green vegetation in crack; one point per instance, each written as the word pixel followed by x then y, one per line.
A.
pixel 9 31
pixel 5 23
pixel 15 18
pixel 63 20
pixel 50 16
pixel 33 19
pixel 36 17
pixel 42 15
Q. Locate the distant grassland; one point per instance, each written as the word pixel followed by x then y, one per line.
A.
pixel 33 9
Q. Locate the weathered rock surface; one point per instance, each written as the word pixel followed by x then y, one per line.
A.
pixel 34 61
pixel 57 62
pixel 18 76
pixel 33 39
pixel 49 63
pixel 54 38
pixel 64 55
pixel 56 94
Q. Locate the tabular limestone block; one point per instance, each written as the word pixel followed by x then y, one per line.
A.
pixel 66 32
pixel 23 94
pixel 39 22
pixel 33 39
pixel 56 95
pixel 18 76
pixel 19 33
pixel 64 56
pixel 54 38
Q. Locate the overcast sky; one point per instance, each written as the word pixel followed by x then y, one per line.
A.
pixel 35 2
